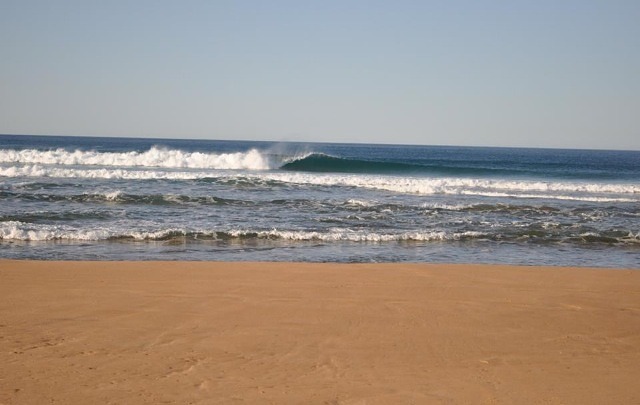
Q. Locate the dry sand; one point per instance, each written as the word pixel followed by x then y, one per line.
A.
pixel 152 333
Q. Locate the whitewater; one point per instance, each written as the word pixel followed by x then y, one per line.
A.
pixel 154 157
pixel 108 198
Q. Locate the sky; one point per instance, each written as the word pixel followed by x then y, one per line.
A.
pixel 478 73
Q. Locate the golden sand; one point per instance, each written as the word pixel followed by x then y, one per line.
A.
pixel 212 332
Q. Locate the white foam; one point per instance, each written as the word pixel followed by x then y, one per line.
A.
pixel 154 157
pixel 345 235
pixel 466 186
pixel 576 191
pixel 546 196
pixel 89 173
pixel 113 195
pixel 441 206
pixel 359 203
pixel 632 238
pixel 15 230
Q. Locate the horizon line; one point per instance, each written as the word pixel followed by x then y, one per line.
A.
pixel 160 138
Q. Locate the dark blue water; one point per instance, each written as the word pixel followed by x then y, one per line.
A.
pixel 114 198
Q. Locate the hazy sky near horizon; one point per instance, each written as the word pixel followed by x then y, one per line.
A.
pixel 489 73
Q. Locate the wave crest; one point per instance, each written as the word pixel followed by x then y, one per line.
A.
pixel 22 231
pixel 29 232
pixel 154 157
pixel 320 162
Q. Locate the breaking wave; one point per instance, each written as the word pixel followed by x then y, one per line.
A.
pixel 21 231
pixel 154 157
pixel 16 230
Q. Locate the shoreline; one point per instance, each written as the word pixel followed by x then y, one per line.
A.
pixel 282 332
pixel 325 263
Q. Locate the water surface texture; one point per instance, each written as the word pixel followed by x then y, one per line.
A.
pixel 144 199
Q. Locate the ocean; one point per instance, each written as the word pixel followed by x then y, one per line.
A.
pixel 82 198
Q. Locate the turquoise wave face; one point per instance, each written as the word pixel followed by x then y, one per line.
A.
pixel 318 162
pixel 587 165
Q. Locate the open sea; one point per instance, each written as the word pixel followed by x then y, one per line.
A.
pixel 83 198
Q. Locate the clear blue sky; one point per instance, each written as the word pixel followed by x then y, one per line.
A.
pixel 496 73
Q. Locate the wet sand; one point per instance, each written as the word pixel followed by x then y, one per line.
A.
pixel 213 332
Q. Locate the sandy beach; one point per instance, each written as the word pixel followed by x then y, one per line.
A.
pixel 213 332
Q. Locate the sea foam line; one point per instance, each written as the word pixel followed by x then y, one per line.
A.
pixel 593 192
pixel 21 231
